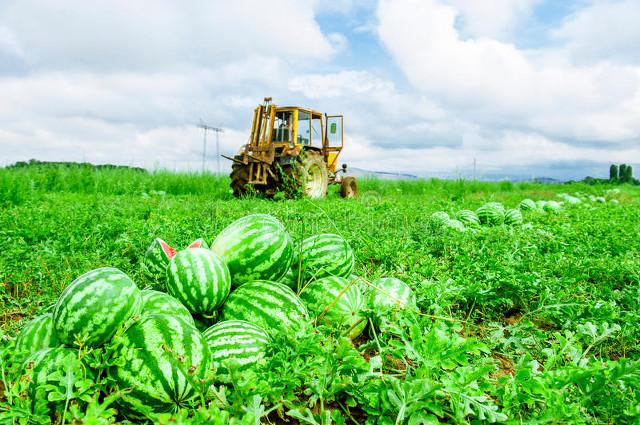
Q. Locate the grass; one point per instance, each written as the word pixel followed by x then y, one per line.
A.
pixel 519 324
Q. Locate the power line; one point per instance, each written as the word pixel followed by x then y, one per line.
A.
pixel 217 130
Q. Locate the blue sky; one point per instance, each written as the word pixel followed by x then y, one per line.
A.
pixel 524 87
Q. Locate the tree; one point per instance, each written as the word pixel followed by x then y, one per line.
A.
pixel 628 174
pixel 613 172
pixel 622 171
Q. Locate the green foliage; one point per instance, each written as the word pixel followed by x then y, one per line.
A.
pixel 533 323
pixel 613 173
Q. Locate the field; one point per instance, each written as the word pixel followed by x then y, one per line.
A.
pixel 520 324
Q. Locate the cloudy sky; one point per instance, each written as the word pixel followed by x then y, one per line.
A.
pixel 523 87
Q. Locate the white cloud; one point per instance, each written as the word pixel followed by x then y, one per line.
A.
pixel 605 30
pixel 497 85
pixel 151 34
pixel 492 18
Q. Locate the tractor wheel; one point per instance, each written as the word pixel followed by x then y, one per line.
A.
pixel 239 178
pixel 313 174
pixel 349 187
pixel 307 176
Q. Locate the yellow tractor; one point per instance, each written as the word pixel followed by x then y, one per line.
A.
pixel 293 150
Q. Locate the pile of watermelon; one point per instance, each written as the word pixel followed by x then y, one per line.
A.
pixel 212 310
pixel 489 214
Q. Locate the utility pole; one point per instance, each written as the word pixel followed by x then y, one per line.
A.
pixel 474 168
pixel 217 130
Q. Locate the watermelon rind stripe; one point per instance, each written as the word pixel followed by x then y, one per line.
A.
pixel 255 247
pixel 199 279
pixel 37 334
pixel 236 341
pixel 150 371
pixel 324 255
pixel 272 306
pixel 94 306
pixel 336 302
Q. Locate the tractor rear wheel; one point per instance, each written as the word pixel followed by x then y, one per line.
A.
pixel 349 187
pixel 239 179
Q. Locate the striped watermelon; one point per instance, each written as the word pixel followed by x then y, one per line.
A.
pixel 44 364
pixel 389 292
pixel 336 302
pixel 468 218
pixel 440 217
pixel 158 358
pixel 498 206
pixel 491 214
pixel 455 224
pixel 527 205
pixel 552 206
pixel 38 334
pixel 540 205
pixel 273 306
pixel 360 282
pixel 235 342
pixel 156 302
pixel 199 279
pixel 156 260
pixel 93 307
pixel 325 255
pixel 513 217
pixel 255 247
pixel 198 243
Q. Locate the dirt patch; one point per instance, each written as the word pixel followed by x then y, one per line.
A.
pixel 505 365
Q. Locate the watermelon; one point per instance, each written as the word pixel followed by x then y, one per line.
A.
pixel 440 217
pixel 156 302
pixel 255 247
pixel 156 260
pixel 513 217
pixel 497 206
pixel 199 279
pixel 360 282
pixel 235 341
pixel 490 214
pixel 38 334
pixel 390 292
pixel 455 224
pixel 325 255
pixel 43 364
pixel 336 302
pixel 93 307
pixel 273 306
pixel 552 206
pixel 468 218
pixel 540 205
pixel 198 243
pixel 527 205
pixel 157 359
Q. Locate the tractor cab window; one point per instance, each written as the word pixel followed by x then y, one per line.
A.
pixel 316 131
pixel 304 128
pixel 282 127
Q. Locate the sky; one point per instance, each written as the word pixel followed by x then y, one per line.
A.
pixel 531 88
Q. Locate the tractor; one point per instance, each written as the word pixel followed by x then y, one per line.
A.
pixel 292 150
